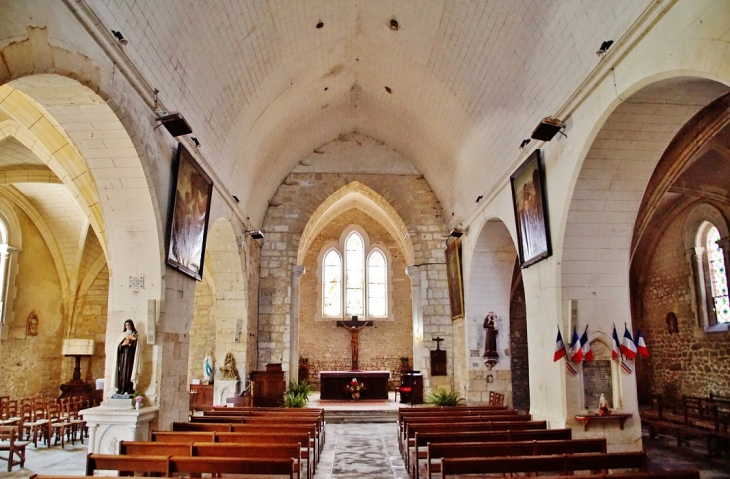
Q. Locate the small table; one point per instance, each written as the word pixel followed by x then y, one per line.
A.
pixel 587 418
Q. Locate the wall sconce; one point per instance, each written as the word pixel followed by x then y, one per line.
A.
pixel 547 129
pixel 197 143
pixel 604 47
pixel 256 234
pixel 490 363
pixel 524 143
pixel 456 233
pixel 175 124
pixel 120 38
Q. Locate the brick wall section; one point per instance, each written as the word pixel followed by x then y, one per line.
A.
pixel 388 338
pixel 296 199
pixel 202 331
pixel 691 362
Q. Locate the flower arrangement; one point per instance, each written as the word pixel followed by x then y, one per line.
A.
pixel 354 386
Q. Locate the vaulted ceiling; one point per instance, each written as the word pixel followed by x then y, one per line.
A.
pixel 454 88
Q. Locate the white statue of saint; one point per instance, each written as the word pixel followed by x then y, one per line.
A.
pixel 207 369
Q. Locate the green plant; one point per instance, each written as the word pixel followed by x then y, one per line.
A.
pixel 405 360
pixel 442 397
pixel 300 388
pixel 294 400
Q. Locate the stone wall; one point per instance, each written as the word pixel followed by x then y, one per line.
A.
pixel 292 206
pixel 519 363
pixel 692 361
pixel 202 331
pixel 388 339
pixel 31 365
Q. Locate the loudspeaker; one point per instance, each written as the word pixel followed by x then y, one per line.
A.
pixel 151 320
pixel 236 331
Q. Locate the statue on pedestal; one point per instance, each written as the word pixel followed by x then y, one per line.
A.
pixel 127 360
pixel 490 341
pixel 208 368
pixel 229 369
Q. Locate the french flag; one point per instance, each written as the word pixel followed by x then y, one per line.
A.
pixel 576 352
pixel 559 347
pixel 586 347
pixel 627 345
pixel 615 348
pixel 641 345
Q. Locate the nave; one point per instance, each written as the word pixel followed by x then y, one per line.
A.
pixel 370 450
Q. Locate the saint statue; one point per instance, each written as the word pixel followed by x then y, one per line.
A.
pixel 229 369
pixel 208 368
pixel 490 341
pixel 127 360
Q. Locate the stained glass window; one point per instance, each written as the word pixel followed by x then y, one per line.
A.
pixel 354 275
pixel 718 276
pixel 376 284
pixel 332 285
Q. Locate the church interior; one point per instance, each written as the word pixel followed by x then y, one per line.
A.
pixel 428 188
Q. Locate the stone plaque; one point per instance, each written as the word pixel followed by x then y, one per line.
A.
pixel 597 381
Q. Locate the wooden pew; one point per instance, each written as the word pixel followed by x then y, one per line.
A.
pixel 156 448
pixel 227 465
pixel 304 438
pixel 201 427
pixel 436 452
pixel 642 475
pixel 264 428
pixel 253 451
pixel 406 440
pixel 127 465
pixel 315 414
pixel 290 421
pixel 564 463
pixel 186 437
pixel 216 419
pixel 402 417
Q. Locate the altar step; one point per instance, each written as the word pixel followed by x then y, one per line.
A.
pixel 350 416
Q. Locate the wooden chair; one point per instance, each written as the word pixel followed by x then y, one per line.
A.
pixel 78 425
pixel 34 421
pixel 9 442
pixel 496 399
pixel 58 427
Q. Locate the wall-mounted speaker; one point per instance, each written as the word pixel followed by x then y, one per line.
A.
pixel 151 321
pixel 236 331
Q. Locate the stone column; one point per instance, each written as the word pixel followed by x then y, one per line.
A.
pixel 414 272
pixel 296 277
pixel 697 265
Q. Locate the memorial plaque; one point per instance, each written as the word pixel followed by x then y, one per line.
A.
pixel 597 381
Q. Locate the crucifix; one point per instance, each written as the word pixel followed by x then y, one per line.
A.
pixel 354 327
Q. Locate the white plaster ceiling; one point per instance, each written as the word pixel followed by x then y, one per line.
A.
pixel 262 87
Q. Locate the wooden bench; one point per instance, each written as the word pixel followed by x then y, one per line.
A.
pixel 155 448
pixel 436 452
pixel 201 427
pixel 420 440
pixel 9 443
pixel 227 465
pixel 304 438
pixel 186 437
pixel 253 451
pixel 412 429
pixel 408 421
pixel 564 463
pixel 128 465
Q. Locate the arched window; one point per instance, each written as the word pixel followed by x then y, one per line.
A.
pixel 354 283
pixel 718 275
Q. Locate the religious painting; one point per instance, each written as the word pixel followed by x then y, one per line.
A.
pixel 188 227
pixel 453 276
pixel 529 199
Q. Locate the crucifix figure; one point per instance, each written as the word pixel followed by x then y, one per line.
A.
pixel 354 327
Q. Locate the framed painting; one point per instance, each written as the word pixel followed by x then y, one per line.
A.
pixel 531 214
pixel 188 226
pixel 453 276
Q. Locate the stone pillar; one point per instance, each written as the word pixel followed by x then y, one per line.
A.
pixel 296 277
pixel 108 426
pixel 414 272
pixel 697 265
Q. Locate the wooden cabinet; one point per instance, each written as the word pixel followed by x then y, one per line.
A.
pixel 201 397
pixel 414 381
pixel 268 386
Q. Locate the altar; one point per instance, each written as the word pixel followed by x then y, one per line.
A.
pixel 333 384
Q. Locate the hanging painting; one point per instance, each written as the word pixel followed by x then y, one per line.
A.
pixel 453 276
pixel 529 199
pixel 189 220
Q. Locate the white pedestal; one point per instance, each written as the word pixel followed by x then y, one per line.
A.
pixel 223 389
pixel 108 426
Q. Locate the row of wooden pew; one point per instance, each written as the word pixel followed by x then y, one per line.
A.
pixel 487 440
pixel 278 442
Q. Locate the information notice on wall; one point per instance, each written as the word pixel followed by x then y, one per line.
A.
pixel 597 381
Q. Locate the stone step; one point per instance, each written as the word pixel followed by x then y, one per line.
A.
pixel 344 416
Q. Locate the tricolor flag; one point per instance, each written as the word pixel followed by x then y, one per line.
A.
pixel 559 347
pixel 626 369
pixel 627 345
pixel 641 345
pixel 586 347
pixel 570 369
pixel 615 348
pixel 576 352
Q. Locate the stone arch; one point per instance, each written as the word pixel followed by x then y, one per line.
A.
pixel 489 289
pixel 356 195
pixel 231 300
pixel 83 141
